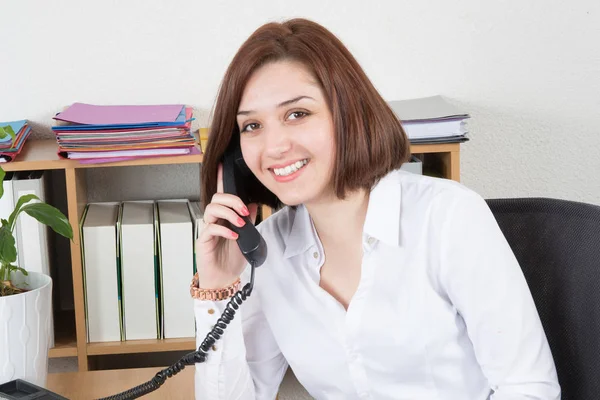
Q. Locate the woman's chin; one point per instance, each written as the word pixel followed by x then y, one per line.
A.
pixel 293 199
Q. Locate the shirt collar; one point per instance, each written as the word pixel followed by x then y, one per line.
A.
pixel 382 221
pixel 383 213
pixel 302 233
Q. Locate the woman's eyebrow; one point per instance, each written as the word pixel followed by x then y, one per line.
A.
pixel 282 104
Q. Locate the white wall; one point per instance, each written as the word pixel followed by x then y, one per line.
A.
pixel 527 71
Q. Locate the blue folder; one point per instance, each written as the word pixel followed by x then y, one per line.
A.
pixel 16 127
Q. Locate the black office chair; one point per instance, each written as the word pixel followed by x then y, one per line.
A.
pixel 557 244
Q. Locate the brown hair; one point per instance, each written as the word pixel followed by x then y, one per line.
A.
pixel 370 141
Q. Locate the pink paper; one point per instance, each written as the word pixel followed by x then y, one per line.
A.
pixel 193 150
pixel 80 113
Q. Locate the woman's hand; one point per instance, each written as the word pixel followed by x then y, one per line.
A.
pixel 219 259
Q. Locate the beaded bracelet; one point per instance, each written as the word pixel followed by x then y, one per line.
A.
pixel 212 294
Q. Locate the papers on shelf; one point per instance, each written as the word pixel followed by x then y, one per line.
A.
pixel 129 153
pixel 80 113
pixel 9 149
pixel 431 119
pixel 92 133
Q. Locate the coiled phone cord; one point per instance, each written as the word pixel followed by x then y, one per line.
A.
pixel 196 356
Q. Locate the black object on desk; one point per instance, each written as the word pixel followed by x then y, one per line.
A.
pixel 23 390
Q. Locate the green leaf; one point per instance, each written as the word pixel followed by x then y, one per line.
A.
pixel 22 200
pixel 7 131
pixel 8 251
pixel 51 216
pixel 24 271
pixel 2 175
pixel 15 268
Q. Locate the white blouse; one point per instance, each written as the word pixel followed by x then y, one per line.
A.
pixel 442 310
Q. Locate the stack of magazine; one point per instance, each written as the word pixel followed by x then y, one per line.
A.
pixel 10 146
pixel 103 133
pixel 431 120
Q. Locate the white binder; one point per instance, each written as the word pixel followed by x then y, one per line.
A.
pixel 7 202
pixel 176 251
pixel 100 272
pixel 138 271
pixel 31 235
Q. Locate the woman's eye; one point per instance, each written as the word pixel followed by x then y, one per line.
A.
pixel 250 127
pixel 297 115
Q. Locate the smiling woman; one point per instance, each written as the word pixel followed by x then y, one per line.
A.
pixel 378 284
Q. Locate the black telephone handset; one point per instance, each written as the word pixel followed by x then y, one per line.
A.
pixel 237 177
pixel 237 180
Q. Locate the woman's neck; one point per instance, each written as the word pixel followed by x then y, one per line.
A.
pixel 340 221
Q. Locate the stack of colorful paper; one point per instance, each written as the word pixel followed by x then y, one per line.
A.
pixel 10 148
pixel 94 134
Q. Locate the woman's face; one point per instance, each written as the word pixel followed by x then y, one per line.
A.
pixel 287 133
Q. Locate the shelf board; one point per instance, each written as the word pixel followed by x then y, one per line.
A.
pixel 434 148
pixel 64 347
pixel 42 155
pixel 36 155
pixel 65 342
pixel 141 346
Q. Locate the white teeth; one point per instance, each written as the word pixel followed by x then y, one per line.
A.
pixel 290 168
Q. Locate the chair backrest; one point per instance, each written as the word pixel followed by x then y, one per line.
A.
pixel 557 244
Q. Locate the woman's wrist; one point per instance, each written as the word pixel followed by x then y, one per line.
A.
pixel 215 278
pixel 213 290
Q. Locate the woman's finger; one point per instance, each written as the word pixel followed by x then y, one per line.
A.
pixel 215 212
pixel 211 231
pixel 230 201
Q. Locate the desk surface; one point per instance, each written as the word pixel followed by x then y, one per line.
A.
pixel 97 384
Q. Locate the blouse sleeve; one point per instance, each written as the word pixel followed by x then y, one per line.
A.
pixel 246 362
pixel 485 283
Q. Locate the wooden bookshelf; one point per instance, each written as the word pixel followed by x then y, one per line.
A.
pixel 65 339
pixel 42 155
pixel 141 346
pixel 64 347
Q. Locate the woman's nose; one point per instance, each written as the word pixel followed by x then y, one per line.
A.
pixel 277 143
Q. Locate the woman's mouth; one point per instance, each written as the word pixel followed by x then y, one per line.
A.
pixel 289 171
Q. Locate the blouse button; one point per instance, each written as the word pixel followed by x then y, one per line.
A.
pixel 371 240
pixel 211 311
pixel 316 254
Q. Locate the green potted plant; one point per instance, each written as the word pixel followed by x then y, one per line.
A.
pixel 25 297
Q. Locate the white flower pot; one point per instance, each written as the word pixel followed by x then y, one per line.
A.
pixel 25 330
